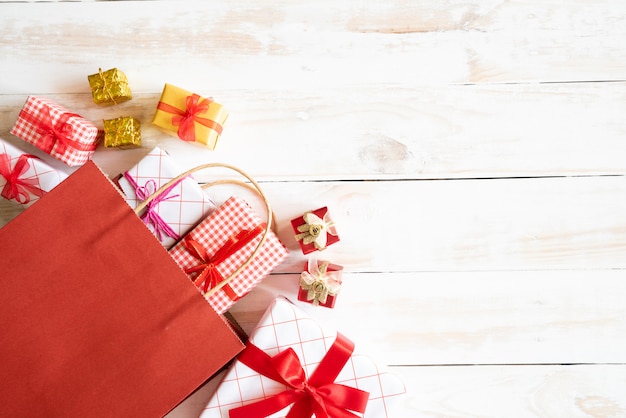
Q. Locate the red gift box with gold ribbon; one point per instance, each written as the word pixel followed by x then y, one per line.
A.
pixel 220 244
pixel 320 282
pixel 57 131
pixel 315 230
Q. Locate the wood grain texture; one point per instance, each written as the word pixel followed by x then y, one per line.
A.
pixel 290 44
pixel 572 391
pixel 471 153
pixel 446 318
pixel 576 391
pixel 389 133
pixel 412 226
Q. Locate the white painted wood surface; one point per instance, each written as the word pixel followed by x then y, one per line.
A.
pixel 472 153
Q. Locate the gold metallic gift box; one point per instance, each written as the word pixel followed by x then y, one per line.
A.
pixel 109 87
pixel 123 132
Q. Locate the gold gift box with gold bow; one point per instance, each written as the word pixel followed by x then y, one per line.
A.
pixel 109 87
pixel 123 132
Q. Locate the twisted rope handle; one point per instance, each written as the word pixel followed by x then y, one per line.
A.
pixel 255 186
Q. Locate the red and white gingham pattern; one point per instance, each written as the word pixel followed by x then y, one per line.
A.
pixel 83 131
pixel 229 219
pixel 182 212
pixel 47 176
pixel 284 325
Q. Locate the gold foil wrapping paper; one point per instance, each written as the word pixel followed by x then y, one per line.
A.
pixel 123 132
pixel 109 87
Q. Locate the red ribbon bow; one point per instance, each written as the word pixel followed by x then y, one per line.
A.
pixel 60 133
pixel 185 120
pixel 15 187
pixel 318 395
pixel 209 274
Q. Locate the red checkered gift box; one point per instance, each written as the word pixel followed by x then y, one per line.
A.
pixel 327 358
pixel 57 131
pixel 173 213
pixel 24 178
pixel 220 244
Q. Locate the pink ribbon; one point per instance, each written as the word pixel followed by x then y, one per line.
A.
pixel 150 216
pixel 15 187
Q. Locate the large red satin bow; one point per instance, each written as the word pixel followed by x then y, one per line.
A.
pixel 318 395
pixel 185 120
pixel 60 133
pixel 209 274
pixel 15 187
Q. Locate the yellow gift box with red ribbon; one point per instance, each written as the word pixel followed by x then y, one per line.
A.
pixel 189 116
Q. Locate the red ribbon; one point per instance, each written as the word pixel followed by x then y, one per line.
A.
pixel 60 133
pixel 15 187
pixel 318 395
pixel 185 120
pixel 209 274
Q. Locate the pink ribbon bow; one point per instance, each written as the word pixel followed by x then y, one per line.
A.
pixel 150 216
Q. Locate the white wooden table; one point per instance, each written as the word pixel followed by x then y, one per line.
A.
pixel 471 152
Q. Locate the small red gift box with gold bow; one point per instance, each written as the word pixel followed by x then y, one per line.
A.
pixel 315 230
pixel 24 178
pixel 220 244
pixel 189 116
pixel 320 283
pixel 57 131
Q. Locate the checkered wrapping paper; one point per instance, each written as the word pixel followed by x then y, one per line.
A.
pixel 47 177
pixel 83 131
pixel 230 218
pixel 188 204
pixel 283 326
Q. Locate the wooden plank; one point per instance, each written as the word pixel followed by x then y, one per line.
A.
pixel 323 43
pixel 582 391
pixel 389 133
pixel 533 317
pixel 464 225
pixel 455 225
pixel 553 391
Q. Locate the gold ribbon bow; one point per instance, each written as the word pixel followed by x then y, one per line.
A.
pixel 315 230
pixel 320 283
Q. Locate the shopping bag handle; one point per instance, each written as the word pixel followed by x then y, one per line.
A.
pixel 255 186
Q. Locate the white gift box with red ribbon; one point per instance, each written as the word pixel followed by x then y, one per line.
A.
pixel 24 178
pixel 175 212
pixel 285 326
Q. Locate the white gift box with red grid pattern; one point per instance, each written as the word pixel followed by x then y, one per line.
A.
pixel 183 207
pixel 286 326
pixel 230 218
pixel 81 130
pixel 46 176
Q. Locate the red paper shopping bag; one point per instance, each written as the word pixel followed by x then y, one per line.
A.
pixel 96 318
